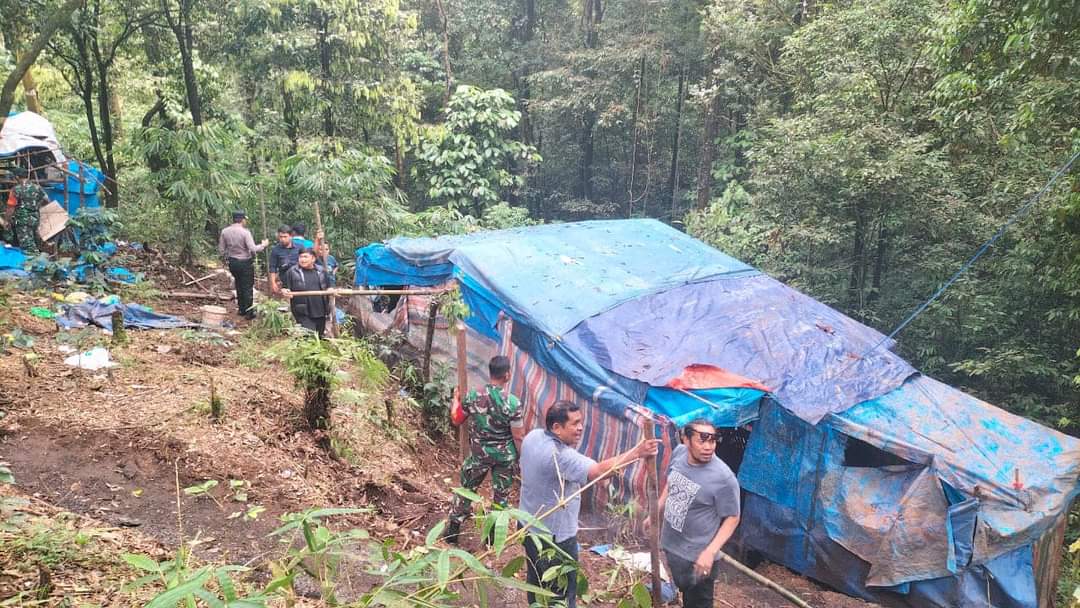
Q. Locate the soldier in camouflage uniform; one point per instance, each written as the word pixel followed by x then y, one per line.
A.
pixel 493 438
pixel 27 215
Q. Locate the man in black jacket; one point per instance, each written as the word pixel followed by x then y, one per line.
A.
pixel 309 312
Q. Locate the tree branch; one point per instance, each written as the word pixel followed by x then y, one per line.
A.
pixel 56 20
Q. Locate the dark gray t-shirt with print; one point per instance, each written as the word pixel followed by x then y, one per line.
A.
pixel 700 498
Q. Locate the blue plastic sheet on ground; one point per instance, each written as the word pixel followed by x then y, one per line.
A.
pixel 11 258
pixel 814 359
pixel 971 444
pixel 13 261
pixel 136 316
pixel 556 275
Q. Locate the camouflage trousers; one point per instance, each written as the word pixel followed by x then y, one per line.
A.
pixel 473 471
pixel 24 232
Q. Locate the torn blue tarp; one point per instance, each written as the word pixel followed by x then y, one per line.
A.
pixel 814 359
pixel 1021 471
pixel 136 316
pixel 13 263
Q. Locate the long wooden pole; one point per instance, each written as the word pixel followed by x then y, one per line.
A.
pixel 266 237
pixel 651 494
pixel 433 312
pixel 332 319
pixel 375 292
pixel 463 385
pixel 794 599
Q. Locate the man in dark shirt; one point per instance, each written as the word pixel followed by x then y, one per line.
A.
pixel 310 312
pixel 283 256
pixel 699 509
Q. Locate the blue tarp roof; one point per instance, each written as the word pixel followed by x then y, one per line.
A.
pixel 557 275
pixel 814 359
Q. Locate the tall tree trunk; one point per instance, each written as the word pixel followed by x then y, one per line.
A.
pixel 30 92
pixel 325 56
pixel 708 152
pixel 592 14
pixel 112 193
pixel 634 135
pixel 180 24
pixel 445 48
pixel 857 279
pixel 399 162
pixel 58 18
pixel 673 174
pixel 288 113
pixel 880 252
pixel 585 173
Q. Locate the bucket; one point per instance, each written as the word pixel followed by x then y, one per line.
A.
pixel 213 315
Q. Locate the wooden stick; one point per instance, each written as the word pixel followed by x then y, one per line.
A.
pixel 433 311
pixel 193 295
pixel 265 235
pixel 794 599
pixel 463 386
pixel 651 495
pixel 195 281
pixel 332 318
pixel 373 292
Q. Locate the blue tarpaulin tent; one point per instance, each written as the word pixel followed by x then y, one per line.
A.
pixel 859 472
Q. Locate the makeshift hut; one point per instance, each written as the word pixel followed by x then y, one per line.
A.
pixel 29 140
pixel 857 470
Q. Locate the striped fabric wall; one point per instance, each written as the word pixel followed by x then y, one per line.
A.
pixel 605 435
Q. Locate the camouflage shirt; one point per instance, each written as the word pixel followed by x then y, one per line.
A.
pixel 493 414
pixel 28 197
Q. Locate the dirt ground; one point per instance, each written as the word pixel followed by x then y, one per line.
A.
pixel 119 446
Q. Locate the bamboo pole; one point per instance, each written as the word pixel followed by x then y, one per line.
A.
pixel 374 292
pixel 331 320
pixel 433 311
pixel 463 386
pixel 266 237
pixel 794 599
pixel 651 494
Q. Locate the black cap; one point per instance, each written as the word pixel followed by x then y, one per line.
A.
pixel 238 215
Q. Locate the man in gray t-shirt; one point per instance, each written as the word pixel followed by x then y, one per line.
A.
pixel 552 469
pixel 700 509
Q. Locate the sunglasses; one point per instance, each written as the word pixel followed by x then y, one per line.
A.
pixel 705 437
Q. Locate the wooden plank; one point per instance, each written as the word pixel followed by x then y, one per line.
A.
pixel 463 386
pixel 652 496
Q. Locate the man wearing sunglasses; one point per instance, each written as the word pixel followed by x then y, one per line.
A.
pixel 699 508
